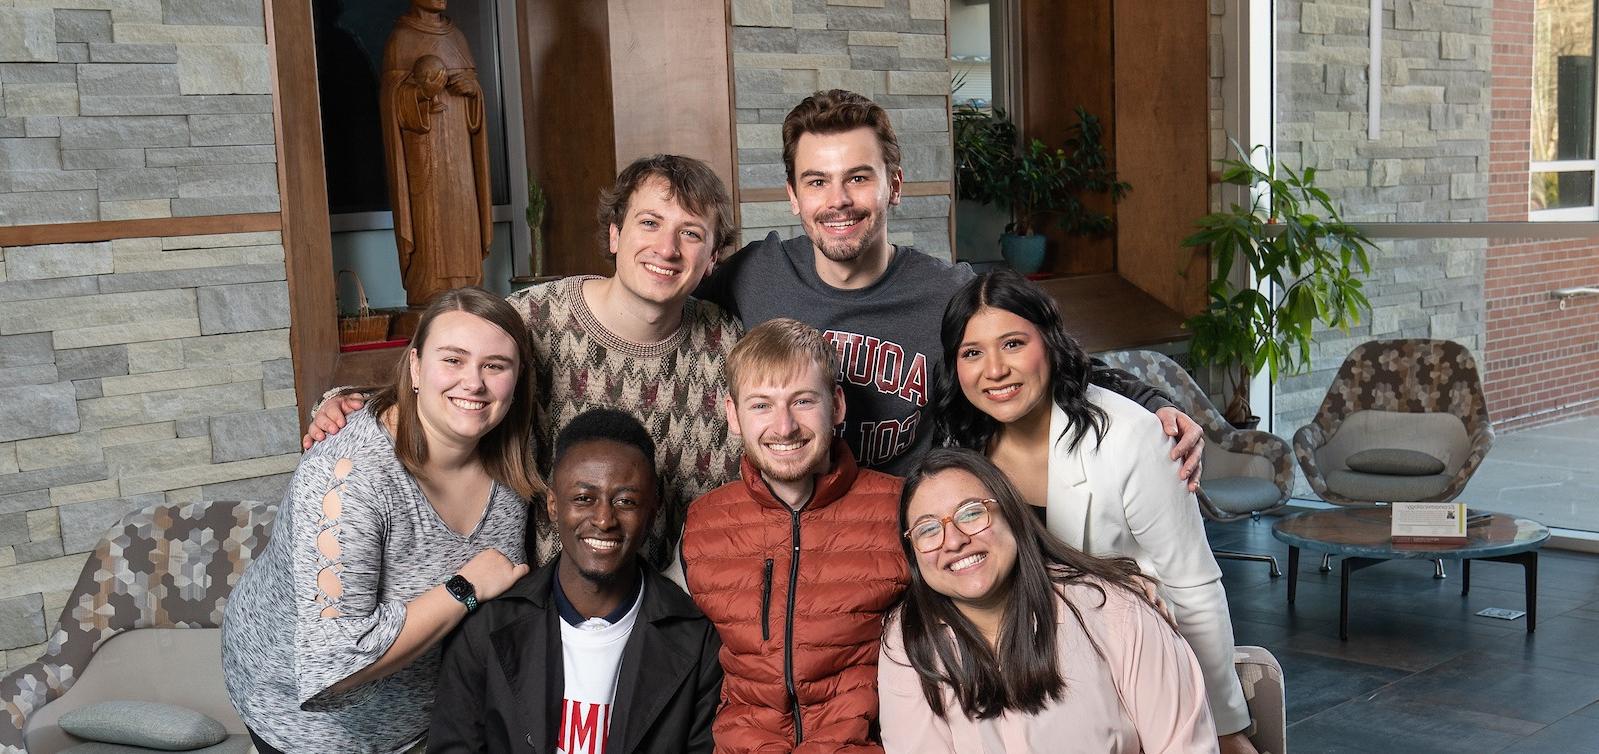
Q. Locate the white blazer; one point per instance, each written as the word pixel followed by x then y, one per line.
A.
pixel 1123 498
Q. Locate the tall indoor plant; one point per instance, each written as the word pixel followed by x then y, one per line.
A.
pixel 1291 237
pixel 1033 181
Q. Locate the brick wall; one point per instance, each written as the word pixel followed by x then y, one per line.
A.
pixel 1429 165
pixel 1542 361
pixel 138 370
pixel 893 51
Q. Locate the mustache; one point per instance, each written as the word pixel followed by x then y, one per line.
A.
pixel 833 217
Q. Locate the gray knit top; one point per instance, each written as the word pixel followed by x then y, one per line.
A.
pixel 355 540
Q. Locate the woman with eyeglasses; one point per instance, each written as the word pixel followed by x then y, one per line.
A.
pixel 965 665
pixel 1013 385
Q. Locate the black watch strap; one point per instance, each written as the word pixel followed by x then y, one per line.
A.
pixel 462 590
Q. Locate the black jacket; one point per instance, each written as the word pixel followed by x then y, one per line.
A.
pixel 500 687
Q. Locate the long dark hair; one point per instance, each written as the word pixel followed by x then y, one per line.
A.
pixel 507 450
pixel 1021 674
pixel 958 422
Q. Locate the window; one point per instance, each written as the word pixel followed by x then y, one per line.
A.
pixel 1562 132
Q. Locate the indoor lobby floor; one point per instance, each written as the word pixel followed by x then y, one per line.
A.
pixel 1421 672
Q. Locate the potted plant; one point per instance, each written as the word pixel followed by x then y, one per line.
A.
pixel 1291 237
pixel 1035 181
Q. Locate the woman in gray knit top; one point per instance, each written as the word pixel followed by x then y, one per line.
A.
pixel 389 534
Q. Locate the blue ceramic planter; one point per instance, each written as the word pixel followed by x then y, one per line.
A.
pixel 1024 253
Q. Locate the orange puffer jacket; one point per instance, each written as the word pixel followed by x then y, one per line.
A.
pixel 798 598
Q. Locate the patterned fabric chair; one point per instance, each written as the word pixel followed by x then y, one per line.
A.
pixel 1405 396
pixel 1262 679
pixel 1246 472
pixel 160 573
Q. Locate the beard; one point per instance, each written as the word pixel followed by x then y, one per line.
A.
pixel 812 462
pixel 848 249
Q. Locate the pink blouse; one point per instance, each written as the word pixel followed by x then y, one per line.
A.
pixel 1145 694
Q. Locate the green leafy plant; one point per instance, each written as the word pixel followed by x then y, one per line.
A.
pixel 1292 237
pixel 1036 180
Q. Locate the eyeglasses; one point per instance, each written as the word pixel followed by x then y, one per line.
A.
pixel 971 517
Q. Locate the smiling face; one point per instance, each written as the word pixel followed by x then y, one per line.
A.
pixel 602 499
pixel 662 250
pixel 842 191
pixel 1003 365
pixel 973 570
pixel 788 426
pixel 465 375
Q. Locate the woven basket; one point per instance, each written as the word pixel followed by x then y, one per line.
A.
pixel 365 326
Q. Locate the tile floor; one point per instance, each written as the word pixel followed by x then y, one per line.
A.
pixel 1421 672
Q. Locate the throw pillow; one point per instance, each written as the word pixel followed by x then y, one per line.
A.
pixel 148 724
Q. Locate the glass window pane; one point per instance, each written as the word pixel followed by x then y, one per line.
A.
pixel 1562 190
pixel 1562 80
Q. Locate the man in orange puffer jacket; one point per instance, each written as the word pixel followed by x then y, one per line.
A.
pixel 797 561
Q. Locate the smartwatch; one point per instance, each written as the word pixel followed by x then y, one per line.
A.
pixel 462 590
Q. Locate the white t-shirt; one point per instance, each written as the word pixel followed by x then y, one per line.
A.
pixel 591 656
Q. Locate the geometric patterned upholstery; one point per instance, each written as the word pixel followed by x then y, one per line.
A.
pixel 166 566
pixel 1160 372
pixel 1404 376
pixel 1262 679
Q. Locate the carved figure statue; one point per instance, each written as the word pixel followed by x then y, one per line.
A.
pixel 438 155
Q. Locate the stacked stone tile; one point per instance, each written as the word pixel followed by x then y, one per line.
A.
pixel 137 370
pixel 894 51
pixel 1431 163
pixel 121 109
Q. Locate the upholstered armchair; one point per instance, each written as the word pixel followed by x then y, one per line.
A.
pixel 1403 420
pixel 142 623
pixel 1246 472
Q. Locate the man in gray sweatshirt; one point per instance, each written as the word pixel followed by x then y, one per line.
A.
pixel 880 304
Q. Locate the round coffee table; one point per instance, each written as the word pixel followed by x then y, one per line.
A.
pixel 1361 535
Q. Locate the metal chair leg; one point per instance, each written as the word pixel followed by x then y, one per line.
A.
pixel 1326 562
pixel 1256 557
pixel 1438 570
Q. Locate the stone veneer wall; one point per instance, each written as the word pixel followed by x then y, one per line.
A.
pixel 1431 163
pixel 139 370
pixel 894 51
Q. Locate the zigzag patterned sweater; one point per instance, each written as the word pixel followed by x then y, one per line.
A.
pixel 676 388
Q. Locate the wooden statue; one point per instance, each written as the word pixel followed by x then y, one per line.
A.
pixel 438 153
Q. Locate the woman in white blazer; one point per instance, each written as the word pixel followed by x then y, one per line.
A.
pixel 1014 385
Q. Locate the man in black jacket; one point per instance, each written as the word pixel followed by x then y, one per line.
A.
pixel 594 653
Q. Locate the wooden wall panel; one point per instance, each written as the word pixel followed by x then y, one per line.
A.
pixel 566 105
pixel 107 230
pixel 303 198
pixel 670 90
pixel 1067 62
pixel 1162 111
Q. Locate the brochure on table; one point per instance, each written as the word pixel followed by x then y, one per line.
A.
pixel 1428 523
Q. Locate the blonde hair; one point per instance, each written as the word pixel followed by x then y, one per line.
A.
pixel 779 349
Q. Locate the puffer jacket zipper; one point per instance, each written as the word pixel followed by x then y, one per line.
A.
pixel 788 628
